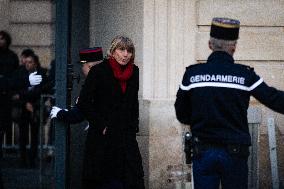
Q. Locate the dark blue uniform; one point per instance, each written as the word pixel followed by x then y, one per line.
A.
pixel 213 99
pixel 72 116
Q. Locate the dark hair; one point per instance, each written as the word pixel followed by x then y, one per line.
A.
pixel 6 36
pixel 27 52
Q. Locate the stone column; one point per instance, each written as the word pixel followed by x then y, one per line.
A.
pixel 168 47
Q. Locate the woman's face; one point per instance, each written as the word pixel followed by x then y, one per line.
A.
pixel 122 56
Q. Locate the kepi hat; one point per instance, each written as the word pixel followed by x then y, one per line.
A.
pixel 91 54
pixel 225 28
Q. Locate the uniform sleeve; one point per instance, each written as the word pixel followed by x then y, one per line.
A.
pixel 269 96
pixel 182 103
pixel 87 99
pixel 72 116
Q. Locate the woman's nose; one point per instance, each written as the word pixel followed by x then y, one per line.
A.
pixel 125 53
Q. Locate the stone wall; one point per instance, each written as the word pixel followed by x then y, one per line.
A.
pixel 30 24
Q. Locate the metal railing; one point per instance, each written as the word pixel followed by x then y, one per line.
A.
pixel 11 139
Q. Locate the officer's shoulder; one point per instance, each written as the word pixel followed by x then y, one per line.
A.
pixel 192 66
pixel 99 66
pixel 246 67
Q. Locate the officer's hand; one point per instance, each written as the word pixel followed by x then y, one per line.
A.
pixel 35 79
pixel 104 131
pixel 54 112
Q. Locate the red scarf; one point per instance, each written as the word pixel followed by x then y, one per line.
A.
pixel 121 73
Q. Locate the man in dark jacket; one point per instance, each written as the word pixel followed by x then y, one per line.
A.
pixel 30 102
pixel 213 99
pixel 9 62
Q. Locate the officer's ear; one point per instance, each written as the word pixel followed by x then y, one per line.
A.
pixel 210 45
pixel 233 48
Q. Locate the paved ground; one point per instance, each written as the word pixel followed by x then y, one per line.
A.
pixel 18 176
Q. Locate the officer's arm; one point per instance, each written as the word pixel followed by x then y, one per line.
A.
pixel 270 97
pixel 72 116
pixel 182 104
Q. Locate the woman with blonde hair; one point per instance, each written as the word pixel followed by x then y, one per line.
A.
pixel 109 101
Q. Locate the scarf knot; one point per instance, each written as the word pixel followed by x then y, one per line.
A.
pixel 121 73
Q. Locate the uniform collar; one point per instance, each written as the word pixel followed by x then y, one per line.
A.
pixel 220 57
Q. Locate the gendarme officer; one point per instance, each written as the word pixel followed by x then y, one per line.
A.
pixel 88 58
pixel 213 99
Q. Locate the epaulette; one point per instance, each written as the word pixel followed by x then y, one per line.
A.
pixel 193 65
pixel 247 67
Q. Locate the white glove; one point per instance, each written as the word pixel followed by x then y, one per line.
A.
pixel 54 112
pixel 35 79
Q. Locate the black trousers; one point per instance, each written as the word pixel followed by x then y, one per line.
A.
pixel 28 120
pixel 5 121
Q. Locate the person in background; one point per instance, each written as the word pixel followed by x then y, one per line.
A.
pixel 9 62
pixel 24 54
pixel 19 79
pixel 30 100
pixel 88 58
pixel 213 99
pixel 109 102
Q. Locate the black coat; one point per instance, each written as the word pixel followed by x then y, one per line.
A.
pixel 115 154
pixel 30 93
pixel 12 83
pixel 9 62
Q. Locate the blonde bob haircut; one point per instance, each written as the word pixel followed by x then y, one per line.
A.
pixel 121 42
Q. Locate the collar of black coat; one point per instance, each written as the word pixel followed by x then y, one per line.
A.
pixel 220 57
